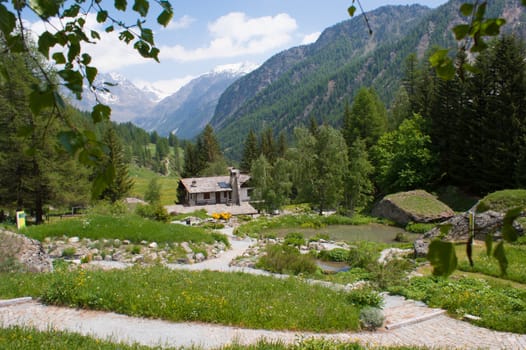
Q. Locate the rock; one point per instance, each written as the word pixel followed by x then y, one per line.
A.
pixel 143 242
pixel 27 252
pixel 153 245
pixel 74 240
pixel 137 258
pixel 393 253
pixel 401 208
pixel 97 258
pixel 199 257
pixel 126 242
pixel 117 242
pixel 108 258
pixel 421 248
pixel 186 247
pixel 489 222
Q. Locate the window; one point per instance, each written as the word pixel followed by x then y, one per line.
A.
pixel 207 195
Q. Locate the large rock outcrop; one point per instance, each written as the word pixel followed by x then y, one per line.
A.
pixel 27 252
pixel 457 229
pixel 412 206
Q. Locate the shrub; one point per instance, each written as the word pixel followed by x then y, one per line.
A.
pixel 69 252
pixel 402 237
pixel 295 238
pixel 359 258
pixel 136 249
pixel 418 227
pixel 371 318
pixel 336 254
pixel 153 211
pixel 365 297
pixel 286 259
pixel 390 273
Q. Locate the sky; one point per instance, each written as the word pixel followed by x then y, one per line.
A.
pixel 206 34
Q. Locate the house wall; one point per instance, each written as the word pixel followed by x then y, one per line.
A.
pixel 199 198
pixel 243 194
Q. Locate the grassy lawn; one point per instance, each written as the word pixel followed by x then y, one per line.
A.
pixel 131 227
pixel 143 176
pixel 238 299
pixel 516 255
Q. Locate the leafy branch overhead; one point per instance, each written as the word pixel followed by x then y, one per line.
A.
pixel 62 43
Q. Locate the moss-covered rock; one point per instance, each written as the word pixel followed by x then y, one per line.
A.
pixel 412 206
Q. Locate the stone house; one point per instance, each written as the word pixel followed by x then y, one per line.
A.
pixel 228 190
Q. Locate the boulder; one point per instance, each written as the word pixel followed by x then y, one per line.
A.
pixel 413 206
pixel 25 251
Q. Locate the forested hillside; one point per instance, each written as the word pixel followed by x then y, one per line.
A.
pixel 316 81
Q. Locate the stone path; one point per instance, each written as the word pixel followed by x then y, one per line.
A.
pixel 407 323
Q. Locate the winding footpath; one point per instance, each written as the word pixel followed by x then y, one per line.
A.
pixel 407 323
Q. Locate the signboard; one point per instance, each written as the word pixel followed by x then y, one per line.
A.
pixel 20 219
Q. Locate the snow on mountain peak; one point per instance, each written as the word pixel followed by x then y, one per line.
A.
pixel 236 68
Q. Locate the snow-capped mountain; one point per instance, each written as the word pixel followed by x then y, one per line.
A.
pixel 186 112
pixel 126 100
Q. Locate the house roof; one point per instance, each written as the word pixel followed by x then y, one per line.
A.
pixel 211 184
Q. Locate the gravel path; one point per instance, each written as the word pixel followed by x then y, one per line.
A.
pixel 408 323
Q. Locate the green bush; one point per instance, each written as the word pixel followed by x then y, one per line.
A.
pixel 371 318
pixel 365 297
pixel 390 273
pixel 153 211
pixel 294 238
pixel 419 227
pixel 357 257
pixel 402 237
pixel 336 254
pixel 68 252
pixel 286 259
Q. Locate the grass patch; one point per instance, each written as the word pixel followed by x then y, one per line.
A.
pixel 418 202
pixel 130 227
pixel 305 221
pixel 235 299
pixel 142 177
pixel 502 201
pixel 499 306
pixel 516 255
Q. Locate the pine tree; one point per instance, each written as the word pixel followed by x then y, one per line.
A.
pixel 122 183
pixel 153 192
pixel 250 151
pixel 268 145
pixel 359 187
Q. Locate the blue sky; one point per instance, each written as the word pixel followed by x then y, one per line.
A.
pixel 205 34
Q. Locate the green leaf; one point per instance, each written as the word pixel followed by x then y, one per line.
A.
pixel 72 12
pixel 165 17
pixel 40 97
pixel 74 51
pixel 461 31
pixel 86 59
pixel 91 73
pixel 154 53
pixel 508 231
pixel 491 27
pixel 489 244
pixel 351 10
pixel 147 35
pixel 46 8
pixel 141 7
pixel 442 257
pixel 102 16
pixel 73 80
pixel 466 9
pixel 143 48
pixel 7 21
pixel 121 5
pixel 95 35
pixel 109 29
pixel 500 255
pixel 46 40
pixel 126 36
pixel 100 112
pixel 442 64
pixel 102 180
pixel 59 58
pixel 16 43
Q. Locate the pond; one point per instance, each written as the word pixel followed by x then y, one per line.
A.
pixel 349 233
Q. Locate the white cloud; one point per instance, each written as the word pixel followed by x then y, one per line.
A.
pixel 181 23
pixel 235 34
pixel 310 38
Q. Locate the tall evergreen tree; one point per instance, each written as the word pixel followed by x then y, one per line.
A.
pixel 268 145
pixel 359 187
pixel 250 151
pixel 122 183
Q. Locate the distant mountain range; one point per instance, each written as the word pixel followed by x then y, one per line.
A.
pixel 315 80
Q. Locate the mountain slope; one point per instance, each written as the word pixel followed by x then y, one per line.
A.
pixel 188 111
pixel 322 77
pixel 126 100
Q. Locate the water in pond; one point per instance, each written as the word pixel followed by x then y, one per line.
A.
pixel 350 233
pixel 332 266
